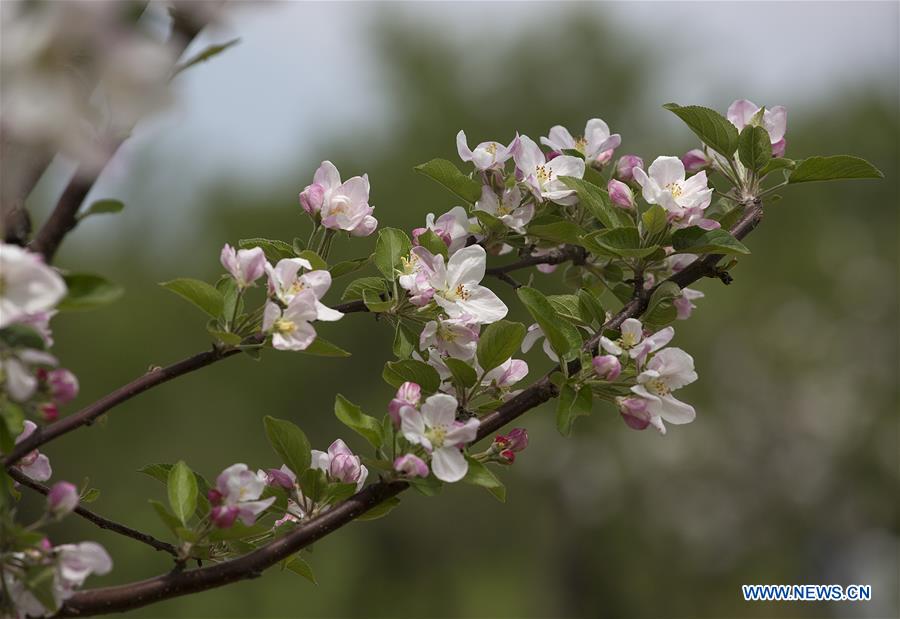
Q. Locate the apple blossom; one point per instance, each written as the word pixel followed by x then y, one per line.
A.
pixel 508 208
pixel 27 285
pixel 684 305
pixel 285 282
pixel 743 112
pixel 34 464
pixel 74 563
pixel 340 464
pixel 634 411
pixel 236 495
pixel 668 370
pixel 290 327
pixel 625 167
pixel 281 478
pixel 532 335
pixel 435 428
pixel 456 337
pixel 684 199
pixel 62 499
pixel 633 341
pixel 342 206
pixel 18 374
pixel 245 265
pixel 607 367
pixel 485 156
pixel 63 385
pixel 411 465
pixel 408 394
pixel 457 287
pixel 514 441
pixel 452 227
pixel 597 145
pixel 542 176
pixel 620 194
pixel 415 277
pixel 506 374
pixel 695 160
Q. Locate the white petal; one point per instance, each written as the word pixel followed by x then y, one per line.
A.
pixel 466 266
pixel 667 170
pixel 483 304
pixel 676 411
pixel 439 410
pixel 449 464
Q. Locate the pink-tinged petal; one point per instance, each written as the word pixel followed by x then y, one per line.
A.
pixel 610 346
pixel 559 138
pixel 248 511
pixel 775 121
pixel 327 176
pixel 339 448
pixel 740 112
pixel 528 155
pixel 676 411
pixel 566 165
pixel 62 498
pixel 412 424
pixel 411 465
pixel 367 226
pixel 318 281
pixel 302 307
pixel 485 306
pixel 461 434
pixel 312 198
pixel 462 146
pixel 449 464
pixel 300 338
pixel 607 367
pixel 467 266
pixel 695 160
pixel 666 170
pixel 779 147
pixel 439 410
pixel 620 194
pixel 626 165
pixel 270 315
pixel 39 469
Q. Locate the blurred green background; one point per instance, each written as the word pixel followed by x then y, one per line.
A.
pixel 789 474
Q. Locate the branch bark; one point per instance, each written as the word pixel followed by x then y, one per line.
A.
pixel 135 595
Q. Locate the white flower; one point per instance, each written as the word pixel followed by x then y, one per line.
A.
pixel 634 342
pixel 27 285
pixel 535 333
pixel 505 375
pixel 508 208
pixel 345 206
pixel 290 327
pixel 285 282
pixel 666 186
pixel 452 227
pixel 668 370
pixel 456 337
pixel 17 374
pixel 437 430
pixel 487 155
pixel 457 287
pixel 596 145
pixel 542 176
pixel 415 277
pixel 75 562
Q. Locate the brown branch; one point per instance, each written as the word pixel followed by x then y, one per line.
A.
pixel 145 592
pixel 557 256
pixel 97 519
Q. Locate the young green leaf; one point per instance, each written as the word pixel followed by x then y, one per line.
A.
pixel 597 201
pixel 777 163
pixel 558 232
pixel 653 223
pixel 448 175
pixel 88 291
pixel 498 342
pixel 392 245
pixel 182 490
pixel 561 334
pixel 711 127
pixel 352 416
pixel 380 510
pixel 696 240
pixel 623 242
pixel 433 243
pixel 323 348
pixel 572 405
pixel 289 442
pixel 836 167
pixel 398 372
pixel 315 260
pixel 274 249
pixel 356 288
pixel 754 148
pixel 348 266
pixel 102 207
pixel 479 475
pixel 301 567
pixel 201 294
pixel 463 373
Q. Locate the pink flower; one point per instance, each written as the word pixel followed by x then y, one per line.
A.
pixel 607 367
pixel 411 465
pixel 290 327
pixel 507 373
pixel 634 412
pixel 435 428
pixel 512 443
pixel 485 156
pixel 408 394
pixel 237 496
pixel 625 167
pixel 452 227
pixel 620 194
pixel 684 305
pixel 63 385
pixel 340 464
pixel 312 198
pixel 62 499
pixel 743 112
pixel 283 478
pixel 34 464
pixel 695 160
pixel 244 265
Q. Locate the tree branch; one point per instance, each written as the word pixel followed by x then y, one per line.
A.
pixel 97 519
pixel 138 594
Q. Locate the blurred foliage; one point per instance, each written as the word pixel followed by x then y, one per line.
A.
pixel 789 474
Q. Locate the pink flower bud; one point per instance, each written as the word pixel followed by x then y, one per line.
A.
pixel 605 157
pixel 607 367
pixel 223 516
pixel 408 394
pixel 411 466
pixel 214 496
pixel 49 411
pixel 695 160
pixel 625 167
pixel 45 545
pixel 244 265
pixel 312 198
pixel 508 456
pixel 620 194
pixel 62 499
pixel 778 148
pixel 518 439
pixel 634 412
pixel 278 478
pixel 345 469
pixel 63 385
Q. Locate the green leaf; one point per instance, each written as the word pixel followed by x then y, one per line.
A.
pixel 479 475
pixel 323 348
pixel 87 291
pixel 201 294
pixel 622 242
pixel 315 260
pixel 103 207
pixel 352 416
pixel 348 266
pixel 562 335
pixel 433 243
pixel 398 372
pixel 375 304
pixel 405 339
pixel 696 240
pixel 289 442
pixel 182 489
pixel 567 306
pixel 563 231
pixel 237 530
pixel 660 308
pixel 590 307
pixel 392 245
pixel 777 163
pixel 490 223
pixel 301 567
pixel 654 222
pixel 754 148
pixel 597 202
pixel 498 342
pixel 380 510
pixel 463 373
pixel 274 249
pixel 835 167
pixel 13 418
pixel 356 288
pixel 22 336
pixel 572 405
pixel 712 128
pixel 448 175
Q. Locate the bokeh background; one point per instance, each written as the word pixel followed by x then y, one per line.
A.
pixel 790 472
